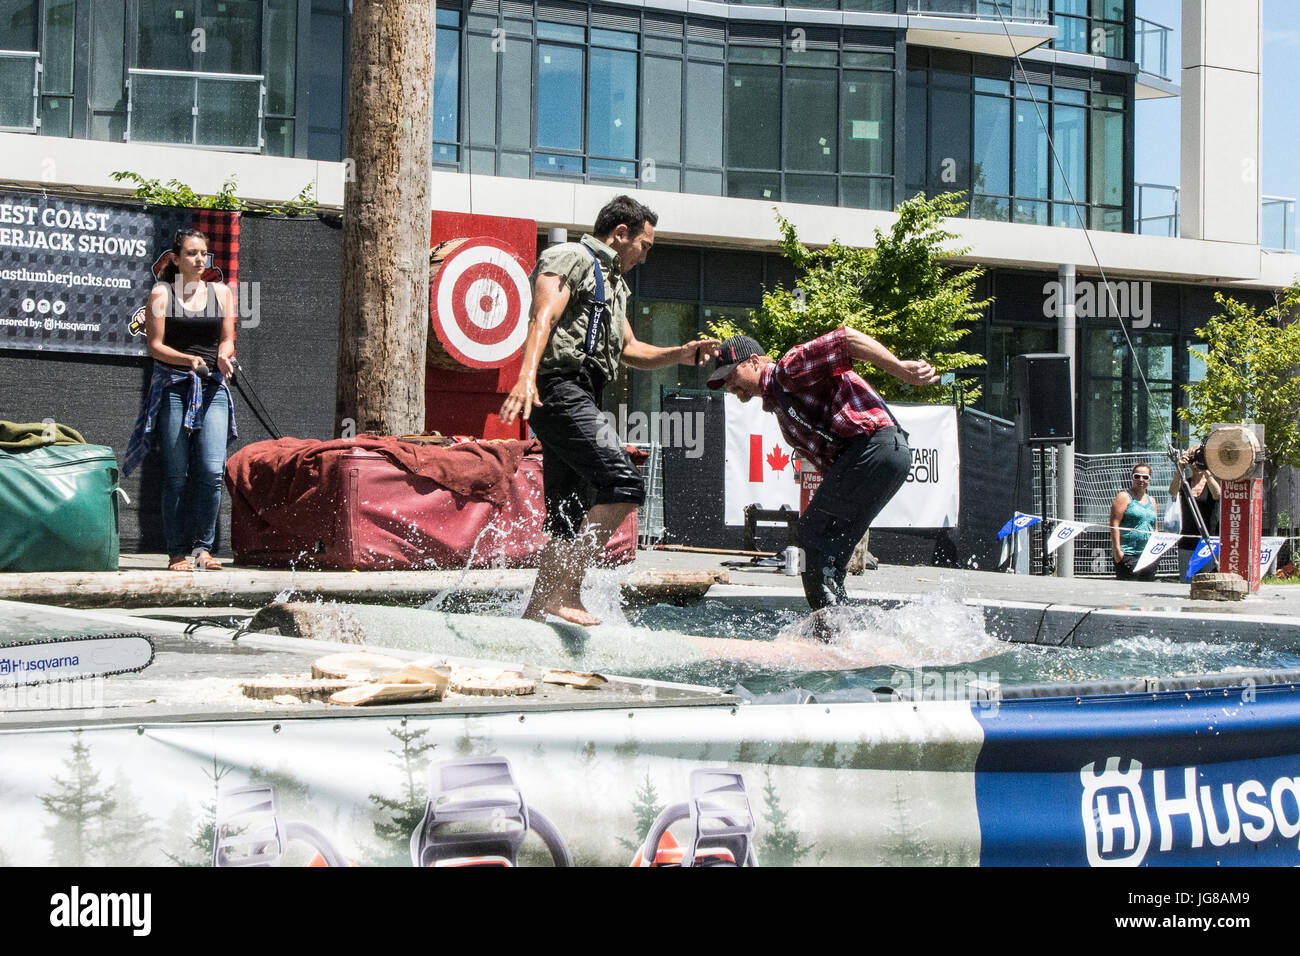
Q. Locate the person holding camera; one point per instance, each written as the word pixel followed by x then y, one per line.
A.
pixel 1132 521
pixel 1201 493
pixel 190 330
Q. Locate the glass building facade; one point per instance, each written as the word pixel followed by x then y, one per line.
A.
pixel 755 106
pixel 837 110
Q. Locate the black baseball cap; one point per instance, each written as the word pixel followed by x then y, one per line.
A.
pixel 730 354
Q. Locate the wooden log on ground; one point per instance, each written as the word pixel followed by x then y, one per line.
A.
pixel 254 588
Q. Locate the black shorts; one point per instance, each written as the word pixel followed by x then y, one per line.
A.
pixel 1124 569
pixel 583 461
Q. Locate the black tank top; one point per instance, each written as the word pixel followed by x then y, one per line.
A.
pixel 194 333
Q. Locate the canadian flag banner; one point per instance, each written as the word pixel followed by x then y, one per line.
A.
pixel 759 466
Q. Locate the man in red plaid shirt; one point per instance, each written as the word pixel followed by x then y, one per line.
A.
pixel 830 414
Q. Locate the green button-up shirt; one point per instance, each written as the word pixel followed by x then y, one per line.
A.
pixel 571 262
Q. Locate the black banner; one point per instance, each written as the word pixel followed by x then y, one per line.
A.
pixel 73 273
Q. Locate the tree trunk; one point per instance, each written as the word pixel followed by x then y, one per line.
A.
pixel 384 300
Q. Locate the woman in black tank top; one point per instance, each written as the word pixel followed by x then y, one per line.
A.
pixel 190 327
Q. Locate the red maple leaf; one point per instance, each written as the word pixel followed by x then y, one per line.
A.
pixel 777 460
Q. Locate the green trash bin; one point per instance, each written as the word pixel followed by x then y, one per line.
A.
pixel 58 509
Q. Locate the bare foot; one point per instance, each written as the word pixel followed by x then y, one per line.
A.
pixel 576 615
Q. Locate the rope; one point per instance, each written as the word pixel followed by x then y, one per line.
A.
pixel 1051 143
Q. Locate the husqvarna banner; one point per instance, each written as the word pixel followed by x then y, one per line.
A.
pixel 1210 778
pixel 1205 778
pixel 74 273
pixel 760 468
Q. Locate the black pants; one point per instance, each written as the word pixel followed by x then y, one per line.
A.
pixel 1124 569
pixel 583 461
pixel 853 491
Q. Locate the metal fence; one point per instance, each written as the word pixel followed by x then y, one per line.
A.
pixel 1031 11
pixel 1097 479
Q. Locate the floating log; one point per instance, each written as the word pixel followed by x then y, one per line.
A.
pixel 681 588
pixel 323 622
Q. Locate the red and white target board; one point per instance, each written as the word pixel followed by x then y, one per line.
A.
pixel 479 302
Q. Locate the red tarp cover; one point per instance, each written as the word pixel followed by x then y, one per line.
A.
pixel 380 503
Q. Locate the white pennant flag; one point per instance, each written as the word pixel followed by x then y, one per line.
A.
pixel 1268 549
pixel 1065 531
pixel 1157 544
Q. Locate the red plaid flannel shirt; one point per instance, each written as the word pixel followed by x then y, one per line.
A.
pixel 825 403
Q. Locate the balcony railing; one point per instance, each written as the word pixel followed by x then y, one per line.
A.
pixel 1155 210
pixel 1025 11
pixel 1156 213
pixel 1277 228
pixel 209 110
pixel 1152 41
pixel 20 72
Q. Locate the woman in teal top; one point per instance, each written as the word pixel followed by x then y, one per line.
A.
pixel 1132 519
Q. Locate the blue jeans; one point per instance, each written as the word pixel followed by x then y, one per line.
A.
pixel 193 463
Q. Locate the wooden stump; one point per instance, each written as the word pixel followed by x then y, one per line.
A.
pixel 1224 586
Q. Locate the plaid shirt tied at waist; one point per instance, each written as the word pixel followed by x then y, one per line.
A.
pixel 142 437
pixel 819 401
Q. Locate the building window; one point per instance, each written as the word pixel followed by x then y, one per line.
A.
pixel 973 125
pixel 1094 27
pixel 674 103
pixel 230 65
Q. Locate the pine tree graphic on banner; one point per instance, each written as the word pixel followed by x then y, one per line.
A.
pixel 396 819
pixel 906 845
pixel 780 845
pixel 205 827
pixel 77 804
pixel 645 810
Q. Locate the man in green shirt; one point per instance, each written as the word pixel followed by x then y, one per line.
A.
pixel 573 349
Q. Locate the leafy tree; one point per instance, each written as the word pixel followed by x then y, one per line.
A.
pixel 1251 362
pixel 901 292
pixel 153 192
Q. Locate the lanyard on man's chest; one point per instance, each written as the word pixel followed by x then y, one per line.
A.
pixel 599 311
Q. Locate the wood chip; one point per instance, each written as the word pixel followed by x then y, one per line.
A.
pixel 492 683
pixel 574 679
pixel 387 694
pixel 416 674
pixel 353 666
pixel 298 688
